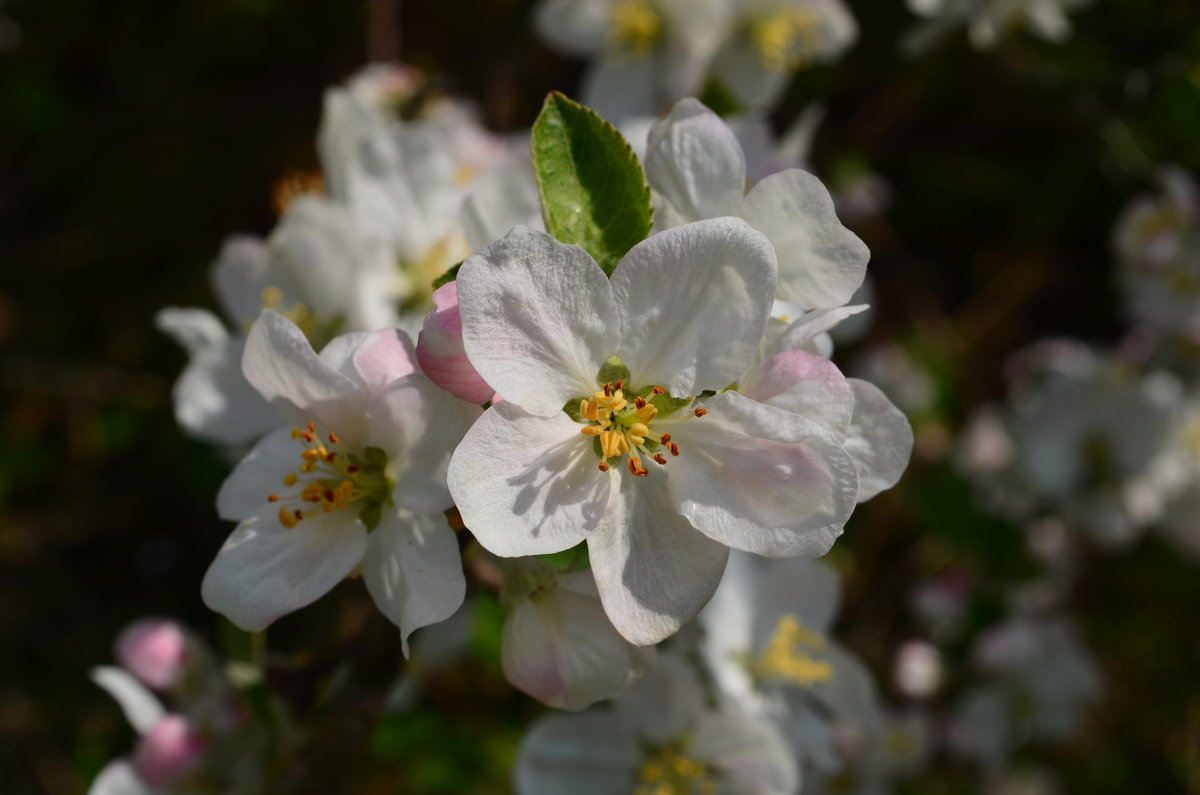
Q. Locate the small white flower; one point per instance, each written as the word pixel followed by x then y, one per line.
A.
pixel 657 483
pixel 987 21
pixel 357 485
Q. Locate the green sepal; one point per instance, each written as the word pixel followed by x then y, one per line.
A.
pixel 571 408
pixel 717 97
pixel 592 187
pixel 612 371
pixel 665 404
pixel 370 515
pixel 447 277
pixel 376 458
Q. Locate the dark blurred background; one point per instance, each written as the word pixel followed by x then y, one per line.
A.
pixel 134 136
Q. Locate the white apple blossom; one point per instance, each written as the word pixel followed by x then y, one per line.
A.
pixel 572 455
pixel 357 486
pixel 559 645
pixel 1157 244
pixel 645 54
pixel 314 268
pixel 770 39
pixel 987 21
pixel 697 169
pixel 767 644
pixel 661 737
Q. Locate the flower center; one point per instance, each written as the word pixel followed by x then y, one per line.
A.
pixel 329 479
pixel 794 654
pixel 635 26
pixel 669 772
pixel 785 40
pixel 622 428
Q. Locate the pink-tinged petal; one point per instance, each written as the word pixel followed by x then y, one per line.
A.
pixel 880 440
pixel 528 485
pixel 653 569
pixel 154 650
pixel 560 647
pixel 374 359
pixel 413 570
pixel 441 353
pixel 821 263
pixel 418 426
pixel 538 319
pixel 803 384
pixel 168 753
pixel 760 479
pixel 264 571
pixel 281 364
pixel 695 162
pixel 694 302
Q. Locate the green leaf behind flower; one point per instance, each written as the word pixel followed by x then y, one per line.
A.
pixel 592 187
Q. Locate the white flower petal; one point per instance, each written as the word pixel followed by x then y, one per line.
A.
pixel 574 27
pixel 821 263
pixel 538 319
pixel 880 440
pixel 141 707
pixel 588 754
pixel 763 480
pixel 620 87
pixel 281 364
pixel 118 778
pixel 740 69
pixel 695 162
pixel 527 485
pixel 751 754
pixel 258 475
pixel 803 384
pixel 653 569
pixel 239 276
pixel 560 647
pixel 413 570
pixel 374 359
pixel 499 200
pixel 693 302
pixel 264 571
pixel 197 331
pixel 667 703
pixel 810 590
pixel 418 426
pixel 803 330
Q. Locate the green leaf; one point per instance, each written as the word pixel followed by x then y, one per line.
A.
pixel 593 190
pixel 447 277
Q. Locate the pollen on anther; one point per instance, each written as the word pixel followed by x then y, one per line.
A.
pixel 272 498
pixel 639 402
pixel 333 438
pixel 603 466
pixel 353 468
pixel 287 518
pixel 312 428
pixel 290 479
pixel 658 390
pixel 674 448
pixel 700 412
pixel 665 438
pixel 660 458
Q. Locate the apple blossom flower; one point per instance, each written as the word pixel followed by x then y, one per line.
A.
pixel 660 737
pixel 357 485
pixel 767 645
pixel 441 354
pixel 770 39
pixel 558 644
pixel 987 21
pixel 316 270
pixel 168 753
pixel 645 54
pixel 604 434
pixel 697 169
pixel 155 650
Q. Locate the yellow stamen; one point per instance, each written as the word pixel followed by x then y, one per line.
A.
pixel 287 519
pixel 290 479
pixel 789 655
pixel 787 40
pixel 635 27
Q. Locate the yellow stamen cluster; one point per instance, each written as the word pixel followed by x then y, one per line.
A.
pixel 294 185
pixel 334 487
pixel 790 655
pixel 623 428
pixel 787 40
pixel 635 27
pixel 671 773
pixel 298 313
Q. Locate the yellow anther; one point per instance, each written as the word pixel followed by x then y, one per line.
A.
pixel 670 772
pixel 287 518
pixel 638 432
pixel 647 412
pixel 290 479
pixel 786 40
pixel 272 297
pixel 591 430
pixel 313 492
pixel 789 655
pixel 635 26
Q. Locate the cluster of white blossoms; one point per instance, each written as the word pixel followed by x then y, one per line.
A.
pixel 646 54
pixel 654 407
pixel 988 21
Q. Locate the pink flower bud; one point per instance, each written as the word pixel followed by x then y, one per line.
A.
pixel 154 650
pixel 440 350
pixel 168 753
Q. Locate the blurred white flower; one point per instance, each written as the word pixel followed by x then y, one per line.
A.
pixel 987 21
pixel 918 669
